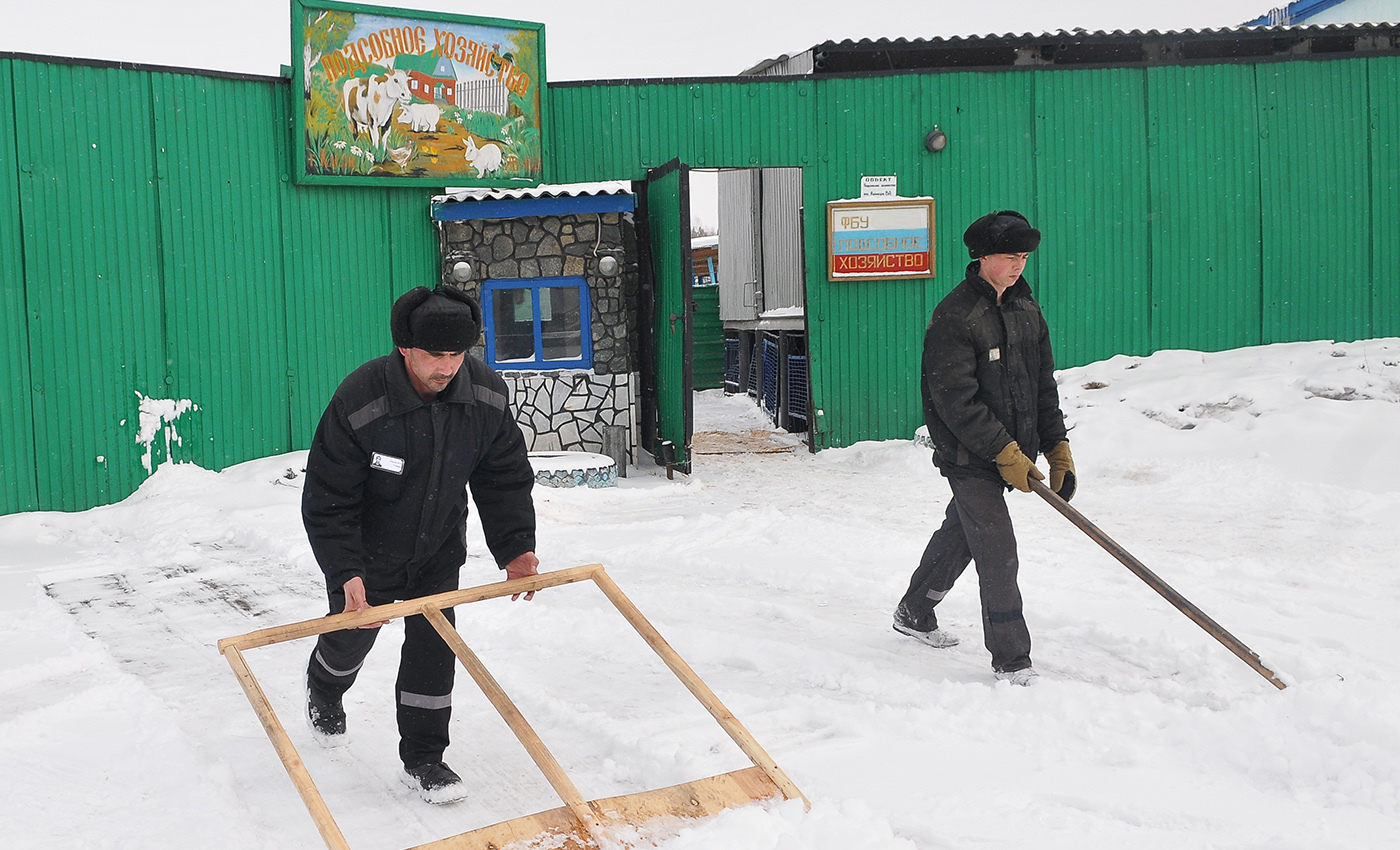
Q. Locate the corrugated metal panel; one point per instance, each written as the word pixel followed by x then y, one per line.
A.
pixel 609 130
pixel 781 214
pixel 1316 200
pixel 864 336
pixel 668 212
pixel 1091 186
pixel 738 262
pixel 1203 150
pixel 784 65
pixel 19 490
pixel 219 166
pixel 348 253
pixel 91 250
pixel 339 292
pixel 709 339
pixel 1384 79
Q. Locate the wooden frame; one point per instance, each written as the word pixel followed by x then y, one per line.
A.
pixel 578 822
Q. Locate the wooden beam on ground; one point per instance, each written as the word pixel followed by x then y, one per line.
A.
pixel 296 769
pixel 543 758
pixel 697 686
pixel 559 830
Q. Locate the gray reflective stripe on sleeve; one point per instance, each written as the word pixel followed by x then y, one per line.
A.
pixel 490 396
pixel 425 701
pixel 936 595
pixel 369 412
pixel 334 672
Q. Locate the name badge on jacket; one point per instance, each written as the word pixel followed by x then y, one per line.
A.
pixel 387 463
pixel 993 355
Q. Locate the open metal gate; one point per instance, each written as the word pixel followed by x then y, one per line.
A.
pixel 668 368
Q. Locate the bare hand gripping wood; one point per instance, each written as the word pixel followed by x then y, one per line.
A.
pixel 578 823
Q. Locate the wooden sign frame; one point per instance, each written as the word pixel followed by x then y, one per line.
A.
pixel 578 823
pixel 896 227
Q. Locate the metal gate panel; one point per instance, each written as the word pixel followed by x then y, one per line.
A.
pixel 1203 154
pixel 668 227
pixel 219 164
pixel 1316 205
pixel 738 250
pixel 1384 78
pixel 1091 166
pixel 91 240
pixel 781 240
pixel 18 487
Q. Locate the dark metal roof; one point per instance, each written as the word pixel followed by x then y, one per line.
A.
pixel 1105 49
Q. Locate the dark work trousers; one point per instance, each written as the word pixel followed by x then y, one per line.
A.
pixel 427 667
pixel 977 528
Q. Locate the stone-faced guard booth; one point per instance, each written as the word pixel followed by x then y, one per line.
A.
pixel 555 270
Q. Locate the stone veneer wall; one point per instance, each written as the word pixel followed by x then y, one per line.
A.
pixel 564 410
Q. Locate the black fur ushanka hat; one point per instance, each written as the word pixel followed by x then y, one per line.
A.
pixel 442 319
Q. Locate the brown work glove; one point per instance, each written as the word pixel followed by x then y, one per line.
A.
pixel 1062 479
pixel 1016 468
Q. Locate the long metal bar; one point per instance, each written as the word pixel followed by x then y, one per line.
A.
pixel 697 686
pixel 1184 605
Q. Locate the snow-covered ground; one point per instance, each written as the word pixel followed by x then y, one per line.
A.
pixel 1263 484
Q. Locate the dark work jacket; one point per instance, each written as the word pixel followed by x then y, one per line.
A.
pixel 365 519
pixel 988 378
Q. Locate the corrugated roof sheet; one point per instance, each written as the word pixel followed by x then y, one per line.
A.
pixel 883 43
pixel 1081 48
pixel 544 190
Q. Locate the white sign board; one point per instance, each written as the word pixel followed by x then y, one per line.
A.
pixel 879 187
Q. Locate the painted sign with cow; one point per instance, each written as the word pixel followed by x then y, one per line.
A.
pixel 397 97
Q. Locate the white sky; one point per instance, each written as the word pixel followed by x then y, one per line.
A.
pixel 626 38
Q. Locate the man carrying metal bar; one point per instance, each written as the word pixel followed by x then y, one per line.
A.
pixel 385 507
pixel 991 405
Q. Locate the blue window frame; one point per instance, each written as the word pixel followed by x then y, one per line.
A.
pixel 538 323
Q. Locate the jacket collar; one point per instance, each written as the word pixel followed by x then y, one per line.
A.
pixel 403 397
pixel 1019 289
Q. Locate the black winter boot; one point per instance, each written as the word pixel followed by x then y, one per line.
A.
pixel 435 782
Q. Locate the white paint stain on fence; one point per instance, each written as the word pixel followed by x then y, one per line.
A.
pixel 158 417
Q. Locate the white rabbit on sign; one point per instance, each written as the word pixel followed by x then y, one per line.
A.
pixel 484 159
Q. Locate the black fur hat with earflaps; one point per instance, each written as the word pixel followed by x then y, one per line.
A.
pixel 442 319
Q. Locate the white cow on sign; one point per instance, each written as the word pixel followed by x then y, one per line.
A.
pixel 421 117
pixel 369 103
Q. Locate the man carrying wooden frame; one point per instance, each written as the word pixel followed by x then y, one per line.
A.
pixel 385 506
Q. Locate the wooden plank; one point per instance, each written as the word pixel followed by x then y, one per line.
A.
pixel 697 686
pixel 541 755
pixel 296 769
pixel 696 799
pixel 321 625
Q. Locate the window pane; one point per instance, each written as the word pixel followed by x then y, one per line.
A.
pixel 561 321
pixel 514 323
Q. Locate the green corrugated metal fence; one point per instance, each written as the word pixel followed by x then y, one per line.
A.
pixel 19 489
pixel 167 256
pixel 1202 206
pixel 709 338
pixel 151 242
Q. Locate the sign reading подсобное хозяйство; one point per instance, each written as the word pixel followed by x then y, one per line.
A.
pixel 879 239
pixel 403 97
